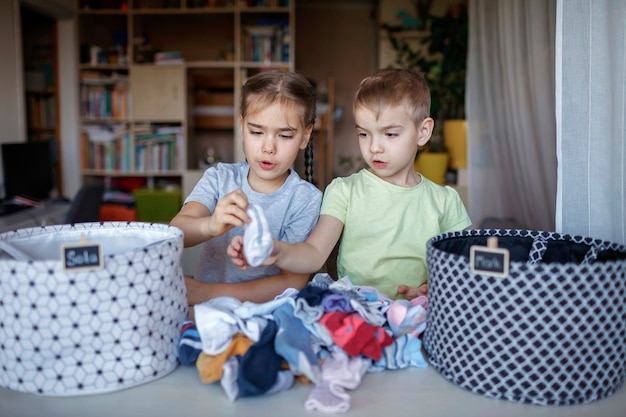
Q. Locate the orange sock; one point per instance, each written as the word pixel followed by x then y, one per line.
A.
pixel 210 367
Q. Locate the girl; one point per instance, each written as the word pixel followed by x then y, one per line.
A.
pixel 277 117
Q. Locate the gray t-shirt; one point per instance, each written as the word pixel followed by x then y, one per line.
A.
pixel 292 212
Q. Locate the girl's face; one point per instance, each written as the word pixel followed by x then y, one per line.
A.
pixel 272 137
pixel 389 142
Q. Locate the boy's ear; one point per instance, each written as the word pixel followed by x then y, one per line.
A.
pixel 425 131
pixel 306 137
pixel 241 127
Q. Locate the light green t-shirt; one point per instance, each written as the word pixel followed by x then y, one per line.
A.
pixel 386 227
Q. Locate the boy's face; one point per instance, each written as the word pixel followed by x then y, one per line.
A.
pixel 272 137
pixel 389 142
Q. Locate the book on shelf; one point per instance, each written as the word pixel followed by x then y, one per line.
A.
pixel 104 132
pixel 41 111
pixel 180 138
pixel 168 58
pixel 156 152
pixel 266 43
pixel 106 147
pixel 104 95
pixel 158 147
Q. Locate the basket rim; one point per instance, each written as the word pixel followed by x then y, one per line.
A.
pixel 57 234
pixel 529 233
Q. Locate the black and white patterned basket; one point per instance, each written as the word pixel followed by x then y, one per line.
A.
pixel 553 332
pixel 65 332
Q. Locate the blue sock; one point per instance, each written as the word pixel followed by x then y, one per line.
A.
pixel 189 344
pixel 258 370
pixel 295 344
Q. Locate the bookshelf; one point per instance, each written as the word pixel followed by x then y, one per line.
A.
pixel 166 76
pixel 38 34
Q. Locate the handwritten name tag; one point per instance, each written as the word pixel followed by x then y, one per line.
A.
pixel 490 260
pixel 82 256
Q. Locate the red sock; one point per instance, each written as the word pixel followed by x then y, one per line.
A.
pixel 354 335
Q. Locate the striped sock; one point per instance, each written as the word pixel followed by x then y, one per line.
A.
pixel 189 344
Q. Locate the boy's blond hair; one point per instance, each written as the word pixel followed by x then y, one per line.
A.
pixel 395 87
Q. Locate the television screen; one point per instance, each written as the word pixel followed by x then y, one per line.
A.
pixel 28 169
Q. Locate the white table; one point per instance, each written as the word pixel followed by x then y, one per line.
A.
pixel 50 212
pixel 408 392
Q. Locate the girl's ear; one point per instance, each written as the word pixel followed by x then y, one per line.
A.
pixel 241 127
pixel 425 131
pixel 306 137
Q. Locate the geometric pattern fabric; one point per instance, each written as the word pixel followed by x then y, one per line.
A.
pixel 552 333
pixel 74 332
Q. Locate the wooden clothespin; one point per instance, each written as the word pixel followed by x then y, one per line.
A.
pixel 489 260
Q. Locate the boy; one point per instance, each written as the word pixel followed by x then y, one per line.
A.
pixel 386 212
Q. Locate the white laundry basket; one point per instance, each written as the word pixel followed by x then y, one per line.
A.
pixel 550 332
pixel 86 331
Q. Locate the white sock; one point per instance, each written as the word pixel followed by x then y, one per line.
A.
pixel 257 238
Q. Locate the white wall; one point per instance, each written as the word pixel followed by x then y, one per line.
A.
pixel 11 88
pixel 337 37
pixel 12 108
pixel 69 105
pixel 12 113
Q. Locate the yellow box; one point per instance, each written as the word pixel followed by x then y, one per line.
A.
pixel 157 205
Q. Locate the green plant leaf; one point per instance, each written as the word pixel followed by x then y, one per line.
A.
pixel 445 64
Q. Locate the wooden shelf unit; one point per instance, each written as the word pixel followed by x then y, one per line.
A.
pixel 199 90
pixel 41 80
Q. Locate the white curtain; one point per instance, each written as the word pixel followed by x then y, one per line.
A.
pixel 590 113
pixel 511 129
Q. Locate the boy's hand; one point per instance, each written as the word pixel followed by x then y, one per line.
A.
pixel 230 211
pixel 235 251
pixel 412 292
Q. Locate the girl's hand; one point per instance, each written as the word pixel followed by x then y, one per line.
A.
pixel 235 251
pixel 412 292
pixel 230 211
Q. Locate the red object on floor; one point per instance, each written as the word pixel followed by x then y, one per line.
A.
pixel 117 212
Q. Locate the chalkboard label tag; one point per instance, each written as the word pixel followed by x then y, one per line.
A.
pixel 82 256
pixel 490 259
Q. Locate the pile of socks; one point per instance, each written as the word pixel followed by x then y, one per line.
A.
pixel 329 334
